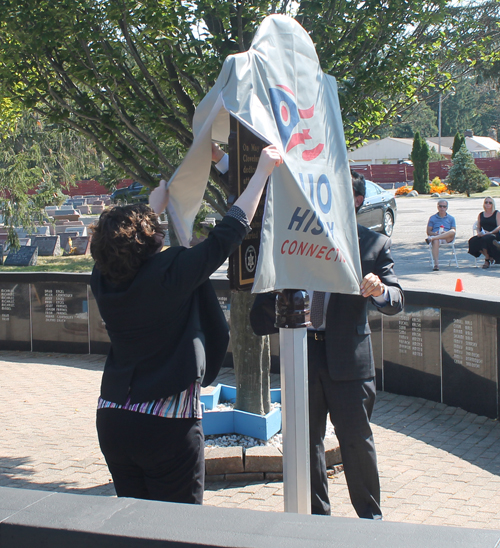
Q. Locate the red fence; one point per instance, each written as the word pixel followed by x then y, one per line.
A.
pixel 401 173
pixel 385 173
pixel 89 188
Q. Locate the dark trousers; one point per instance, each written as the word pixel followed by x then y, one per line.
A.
pixel 350 404
pixel 153 457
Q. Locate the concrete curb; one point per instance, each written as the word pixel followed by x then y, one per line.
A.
pixel 256 463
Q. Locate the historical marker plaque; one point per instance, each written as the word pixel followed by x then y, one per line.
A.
pixel 244 153
pixel 412 353
pixel 470 361
pixel 15 330
pixel 60 317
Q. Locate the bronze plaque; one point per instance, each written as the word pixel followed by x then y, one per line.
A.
pixel 244 153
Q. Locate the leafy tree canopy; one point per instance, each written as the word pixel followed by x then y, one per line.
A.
pixel 128 74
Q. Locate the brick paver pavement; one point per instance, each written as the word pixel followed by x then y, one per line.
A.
pixel 439 465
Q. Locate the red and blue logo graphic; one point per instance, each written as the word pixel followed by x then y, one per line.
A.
pixel 288 116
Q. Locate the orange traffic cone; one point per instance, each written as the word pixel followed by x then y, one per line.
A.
pixel 459 286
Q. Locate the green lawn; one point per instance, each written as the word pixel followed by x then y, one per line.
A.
pixel 493 191
pixel 69 263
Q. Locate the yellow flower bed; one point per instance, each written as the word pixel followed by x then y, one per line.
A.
pixel 437 186
pixel 403 190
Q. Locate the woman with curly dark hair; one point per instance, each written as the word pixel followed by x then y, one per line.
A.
pixel 168 338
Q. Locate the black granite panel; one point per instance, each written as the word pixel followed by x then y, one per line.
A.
pixel 470 361
pixel 99 340
pixel 375 321
pixel 15 333
pixel 60 317
pixel 412 352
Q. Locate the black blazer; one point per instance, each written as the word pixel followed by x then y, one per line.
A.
pixel 166 326
pixel 348 342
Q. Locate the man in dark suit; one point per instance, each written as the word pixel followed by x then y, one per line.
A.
pixel 342 372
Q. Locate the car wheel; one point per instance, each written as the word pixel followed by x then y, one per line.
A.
pixel 122 201
pixel 388 223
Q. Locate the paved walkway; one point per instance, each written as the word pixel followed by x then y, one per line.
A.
pixel 439 465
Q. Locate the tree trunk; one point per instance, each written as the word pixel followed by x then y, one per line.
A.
pixel 251 357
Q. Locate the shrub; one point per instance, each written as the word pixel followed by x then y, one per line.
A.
pixel 420 158
pixel 464 175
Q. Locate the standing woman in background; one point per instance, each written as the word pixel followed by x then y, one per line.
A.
pixel 488 233
pixel 168 337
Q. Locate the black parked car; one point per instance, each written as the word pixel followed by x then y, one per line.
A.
pixel 131 194
pixel 379 209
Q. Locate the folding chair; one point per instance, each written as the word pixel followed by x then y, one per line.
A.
pixel 450 245
pixel 474 230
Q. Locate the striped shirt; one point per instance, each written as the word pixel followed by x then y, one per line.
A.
pixel 185 405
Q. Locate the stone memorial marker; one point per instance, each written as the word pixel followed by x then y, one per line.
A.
pixel 470 361
pixel 82 245
pixel 15 331
pixel 60 317
pixel 412 344
pixel 99 339
pixel 82 230
pixel 65 237
pixel 48 246
pixel 26 256
pixel 42 230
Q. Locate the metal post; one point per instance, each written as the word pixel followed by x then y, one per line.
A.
pixel 439 122
pixel 292 315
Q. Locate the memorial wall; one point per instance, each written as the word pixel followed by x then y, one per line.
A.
pixel 441 347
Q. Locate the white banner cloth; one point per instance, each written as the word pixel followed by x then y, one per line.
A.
pixel 278 90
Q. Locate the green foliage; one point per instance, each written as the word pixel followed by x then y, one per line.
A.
pixel 464 175
pixel 204 212
pixel 458 141
pixel 36 160
pixel 128 75
pixel 474 104
pixel 420 157
pixel 420 118
pixel 434 155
